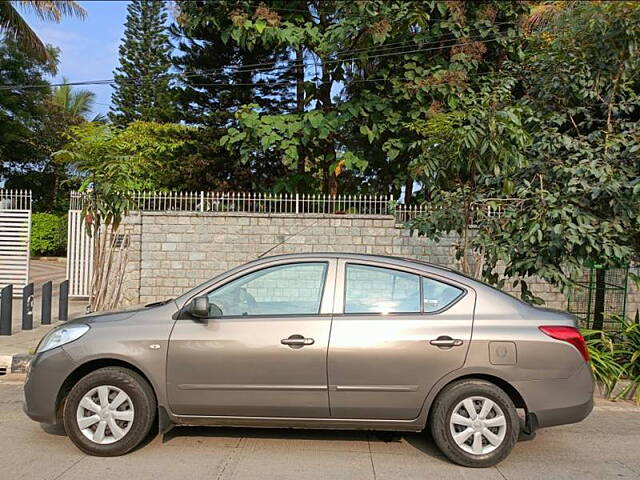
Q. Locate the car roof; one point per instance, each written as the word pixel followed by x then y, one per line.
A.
pixel 400 261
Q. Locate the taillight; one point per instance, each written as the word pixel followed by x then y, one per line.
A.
pixel 568 334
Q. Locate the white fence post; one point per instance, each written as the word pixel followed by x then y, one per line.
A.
pixel 79 251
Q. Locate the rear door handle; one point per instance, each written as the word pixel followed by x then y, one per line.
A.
pixel 445 341
pixel 297 341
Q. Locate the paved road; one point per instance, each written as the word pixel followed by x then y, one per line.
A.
pixel 606 445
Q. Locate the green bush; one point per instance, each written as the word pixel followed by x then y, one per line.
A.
pixel 48 235
pixel 615 356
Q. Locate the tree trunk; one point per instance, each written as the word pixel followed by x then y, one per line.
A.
pixel 325 104
pixel 300 105
pixel 408 190
pixel 599 300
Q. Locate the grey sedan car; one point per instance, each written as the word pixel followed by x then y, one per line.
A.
pixel 340 341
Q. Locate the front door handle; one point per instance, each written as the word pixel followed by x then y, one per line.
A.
pixel 297 341
pixel 445 341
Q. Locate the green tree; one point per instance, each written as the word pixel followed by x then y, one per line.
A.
pixel 142 156
pixel 377 67
pixel 22 110
pixel 217 77
pixel 17 29
pixel 75 102
pixel 143 80
pixel 577 197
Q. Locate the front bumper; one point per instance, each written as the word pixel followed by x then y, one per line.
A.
pixel 47 373
pixel 559 401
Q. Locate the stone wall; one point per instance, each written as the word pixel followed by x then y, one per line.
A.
pixel 173 251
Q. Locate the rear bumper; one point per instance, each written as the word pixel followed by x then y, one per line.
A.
pixel 559 401
pixel 47 373
pixel 563 416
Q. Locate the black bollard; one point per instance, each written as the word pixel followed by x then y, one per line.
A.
pixel 63 305
pixel 47 289
pixel 6 310
pixel 27 307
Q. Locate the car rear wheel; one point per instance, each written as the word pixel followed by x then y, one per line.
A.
pixel 474 423
pixel 109 412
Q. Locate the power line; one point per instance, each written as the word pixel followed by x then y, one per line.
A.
pixel 385 54
pixel 268 66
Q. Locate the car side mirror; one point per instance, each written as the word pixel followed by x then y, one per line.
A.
pixel 199 307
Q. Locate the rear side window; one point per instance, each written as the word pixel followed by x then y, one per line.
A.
pixel 438 295
pixel 380 290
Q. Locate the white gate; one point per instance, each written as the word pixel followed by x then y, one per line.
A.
pixel 15 231
pixel 79 256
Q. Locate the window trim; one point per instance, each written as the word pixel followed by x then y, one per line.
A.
pixel 344 290
pixel 328 276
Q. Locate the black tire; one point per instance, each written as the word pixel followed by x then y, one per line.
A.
pixel 144 405
pixel 441 413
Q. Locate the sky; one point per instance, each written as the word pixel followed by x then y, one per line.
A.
pixel 89 48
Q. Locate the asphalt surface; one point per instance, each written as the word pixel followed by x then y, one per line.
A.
pixel 605 446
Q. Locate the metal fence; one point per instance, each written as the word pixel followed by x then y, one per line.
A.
pixel 248 202
pixel 293 203
pixel 15 232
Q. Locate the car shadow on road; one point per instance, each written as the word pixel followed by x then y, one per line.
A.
pixel 420 441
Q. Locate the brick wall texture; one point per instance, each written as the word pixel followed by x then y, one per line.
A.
pixel 172 251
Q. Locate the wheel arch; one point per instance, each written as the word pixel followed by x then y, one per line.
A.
pixel 513 393
pixel 509 389
pixel 91 366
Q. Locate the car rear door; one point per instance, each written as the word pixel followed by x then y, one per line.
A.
pixel 266 356
pixel 395 333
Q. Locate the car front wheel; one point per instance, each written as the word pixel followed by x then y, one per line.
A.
pixel 109 412
pixel 474 423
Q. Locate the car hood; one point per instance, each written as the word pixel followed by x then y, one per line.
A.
pixel 117 315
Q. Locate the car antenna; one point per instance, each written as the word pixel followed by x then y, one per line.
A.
pixel 287 239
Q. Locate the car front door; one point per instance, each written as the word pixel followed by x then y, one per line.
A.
pixel 395 333
pixel 266 355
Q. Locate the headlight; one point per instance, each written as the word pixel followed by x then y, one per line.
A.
pixel 61 336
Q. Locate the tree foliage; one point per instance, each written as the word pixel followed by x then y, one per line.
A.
pixel 74 102
pixel 376 67
pixel 142 156
pixel 18 30
pixel 48 234
pixel 577 197
pixel 218 78
pixel 142 81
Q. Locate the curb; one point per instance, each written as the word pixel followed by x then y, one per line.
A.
pixel 50 259
pixel 17 363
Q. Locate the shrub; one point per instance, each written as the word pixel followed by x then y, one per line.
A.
pixel 615 356
pixel 48 234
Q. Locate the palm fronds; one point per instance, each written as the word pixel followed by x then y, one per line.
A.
pixel 16 27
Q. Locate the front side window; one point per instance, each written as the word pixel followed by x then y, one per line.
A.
pixel 380 290
pixel 438 295
pixel 294 289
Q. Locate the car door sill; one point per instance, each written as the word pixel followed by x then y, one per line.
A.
pixel 299 422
